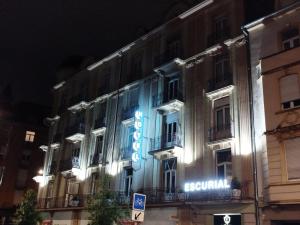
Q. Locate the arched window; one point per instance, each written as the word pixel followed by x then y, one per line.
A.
pixel 289 90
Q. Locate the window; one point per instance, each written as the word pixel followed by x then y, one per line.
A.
pixel 221 28
pixel 171 135
pixel 21 178
pixel 173 49
pixel 222 117
pixel 222 69
pixel 292 152
pixel 289 90
pixel 29 136
pixel 75 155
pixel 136 66
pixel 173 86
pixel 93 185
pixel 128 181
pixel 223 163
pixel 98 150
pixel 169 173
pixel 50 190
pixel 1 174
pixel 25 158
pixel 290 39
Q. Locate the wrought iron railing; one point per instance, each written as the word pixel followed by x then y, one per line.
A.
pixel 214 84
pixel 163 98
pixel 68 164
pixel 220 132
pixel 154 196
pixel 74 129
pixel 217 37
pixel 165 141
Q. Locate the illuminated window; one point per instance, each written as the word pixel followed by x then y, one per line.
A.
pixel 29 137
pixel 169 173
pixel 223 163
pixel 289 90
pixel 128 181
pixel 290 39
pixel 292 155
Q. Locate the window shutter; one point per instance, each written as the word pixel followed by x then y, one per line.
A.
pixel 292 152
pixel 289 88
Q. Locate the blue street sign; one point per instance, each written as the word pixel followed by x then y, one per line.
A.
pixel 139 202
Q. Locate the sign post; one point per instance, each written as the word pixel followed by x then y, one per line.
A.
pixel 138 207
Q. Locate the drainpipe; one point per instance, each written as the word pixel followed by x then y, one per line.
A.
pixel 253 144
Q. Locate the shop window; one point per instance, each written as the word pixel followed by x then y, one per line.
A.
pixel 128 181
pixel 169 175
pixel 289 90
pixel 292 155
pixel 29 136
pixel 290 39
pixel 223 163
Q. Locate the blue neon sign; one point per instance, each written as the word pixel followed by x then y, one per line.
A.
pixel 137 136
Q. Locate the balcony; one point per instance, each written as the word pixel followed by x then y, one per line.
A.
pixel 128 112
pixel 168 61
pixel 126 153
pixel 220 133
pixel 68 201
pixel 76 132
pixel 78 102
pixel 155 196
pixel 218 37
pixel 162 102
pixel 69 164
pixel 165 144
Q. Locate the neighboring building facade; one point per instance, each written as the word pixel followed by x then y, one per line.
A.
pixel 167 116
pixel 275 52
pixel 20 157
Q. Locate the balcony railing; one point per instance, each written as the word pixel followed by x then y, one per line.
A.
pixel 167 56
pixel 220 132
pixel 68 164
pixel 165 142
pixel 217 37
pixel 214 84
pixel 163 98
pixel 128 112
pixel 78 128
pixel 126 153
pixel 155 196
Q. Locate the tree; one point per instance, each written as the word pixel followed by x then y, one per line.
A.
pixel 26 213
pixel 103 206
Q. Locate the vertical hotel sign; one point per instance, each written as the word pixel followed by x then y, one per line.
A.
pixel 137 136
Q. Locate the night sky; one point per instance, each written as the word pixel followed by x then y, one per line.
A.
pixel 37 36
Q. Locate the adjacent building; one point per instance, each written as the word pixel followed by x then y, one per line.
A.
pixel 21 134
pixel 275 51
pixel 168 115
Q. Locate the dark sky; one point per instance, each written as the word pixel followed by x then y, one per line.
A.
pixel 37 35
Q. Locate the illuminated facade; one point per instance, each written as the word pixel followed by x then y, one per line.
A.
pixel 160 115
pixel 274 47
